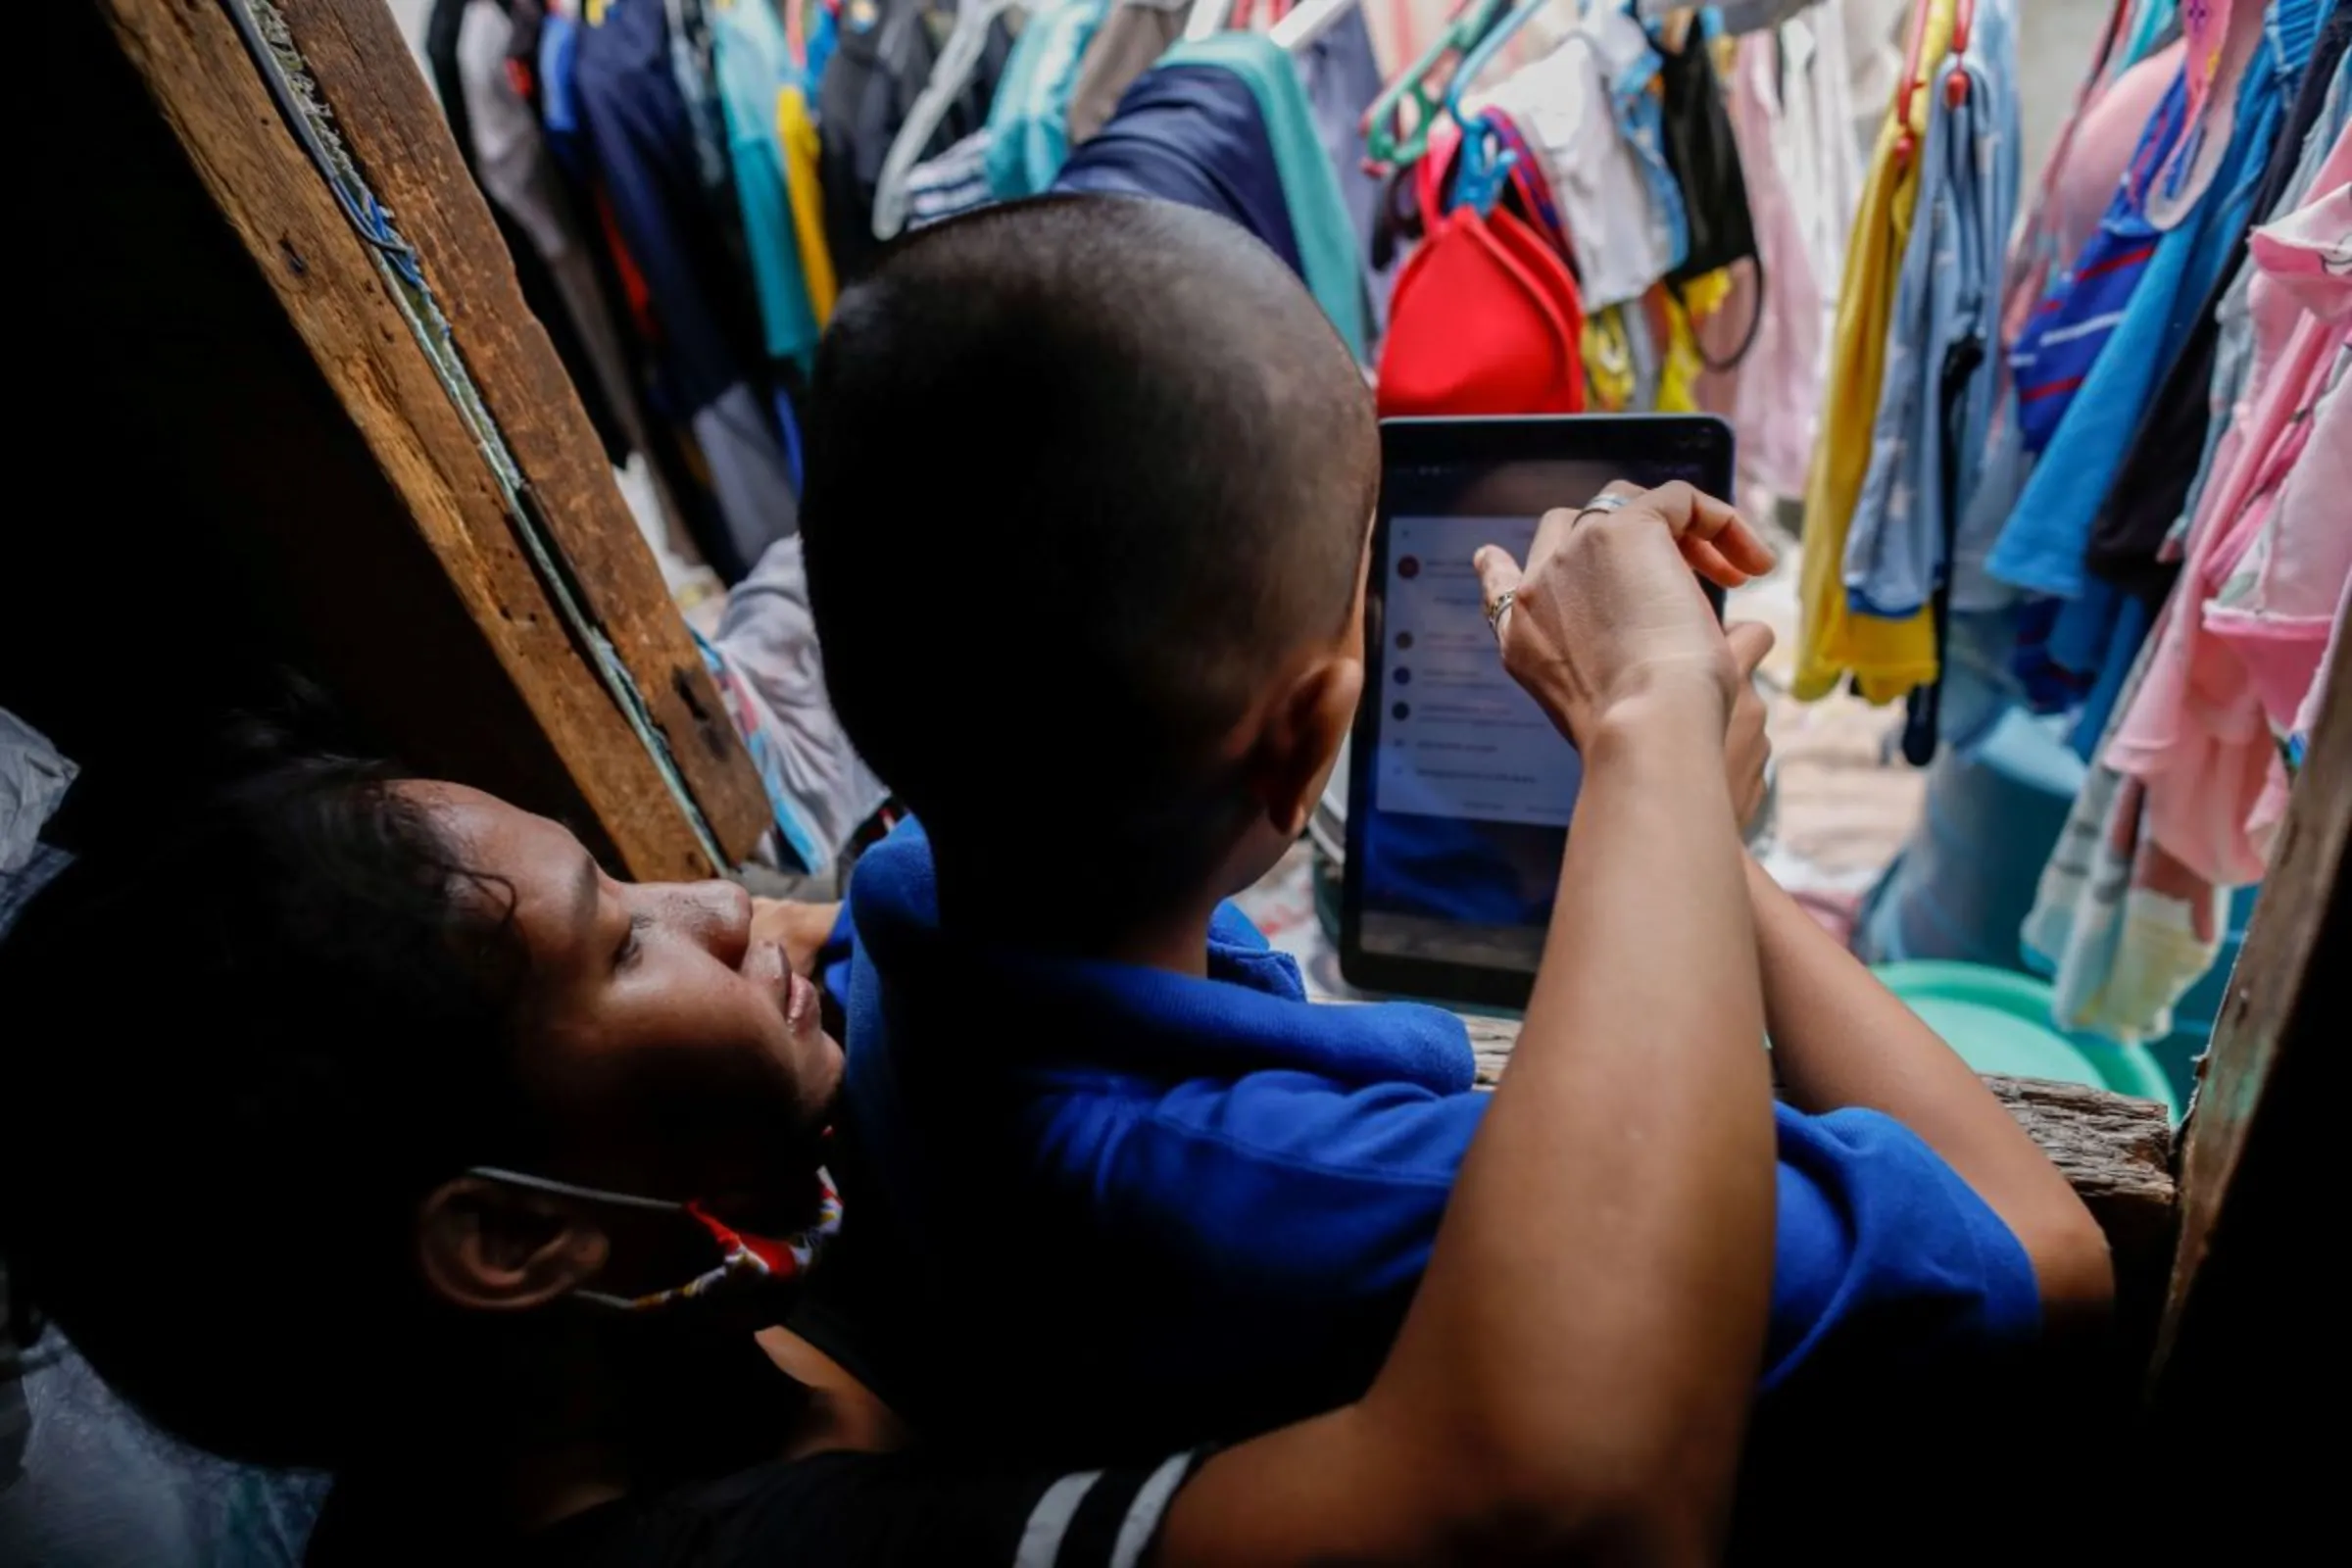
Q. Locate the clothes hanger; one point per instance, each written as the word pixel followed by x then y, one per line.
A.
pixel 1207 18
pixel 1484 162
pixel 966 42
pixel 1384 146
pixel 1308 23
pixel 1955 84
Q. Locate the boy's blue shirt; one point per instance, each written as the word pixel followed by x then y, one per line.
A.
pixel 1090 1202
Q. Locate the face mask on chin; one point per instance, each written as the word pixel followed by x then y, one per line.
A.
pixel 749 1267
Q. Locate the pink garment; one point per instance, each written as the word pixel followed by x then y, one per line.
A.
pixel 2239 641
pixel 1774 395
pixel 2080 179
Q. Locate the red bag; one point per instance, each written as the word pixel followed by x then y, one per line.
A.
pixel 1485 319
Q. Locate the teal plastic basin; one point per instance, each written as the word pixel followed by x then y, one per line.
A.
pixel 1999 1021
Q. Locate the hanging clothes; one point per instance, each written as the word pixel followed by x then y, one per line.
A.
pixel 1028 122
pixel 1937 392
pixel 803 153
pixel 954 181
pixel 1192 134
pixel 1819 156
pixel 771 672
pixel 1885 658
pixel 1132 36
pixel 1342 76
pixel 1621 236
pixel 1703 156
pixel 2240 637
pixel 2078 184
pixel 499 138
pixel 1326 235
pixel 2221 36
pixel 640 134
pixel 2126 925
pixel 1774 403
pixel 2151 491
pixel 754 65
pixel 1630 67
pixel 1486 318
pixel 1609 383
pixel 882 60
pixel 2042 548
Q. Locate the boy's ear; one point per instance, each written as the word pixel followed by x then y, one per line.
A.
pixel 1302 738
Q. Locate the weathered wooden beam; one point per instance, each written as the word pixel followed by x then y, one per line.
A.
pixel 2250 1353
pixel 402 143
pixel 368 512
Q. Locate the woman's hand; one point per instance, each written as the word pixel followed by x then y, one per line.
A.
pixel 1746 747
pixel 1606 610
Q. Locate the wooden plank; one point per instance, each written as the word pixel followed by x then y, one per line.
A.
pixel 402 143
pixel 195 68
pixel 2249 1357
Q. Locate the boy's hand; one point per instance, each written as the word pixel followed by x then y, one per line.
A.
pixel 800 929
pixel 1606 610
pixel 1746 747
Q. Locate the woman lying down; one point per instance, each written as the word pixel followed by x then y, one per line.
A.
pixel 411 1144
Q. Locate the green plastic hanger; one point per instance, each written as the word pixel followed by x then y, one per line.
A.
pixel 1382 146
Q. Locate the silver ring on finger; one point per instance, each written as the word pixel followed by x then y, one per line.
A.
pixel 1500 603
pixel 1606 501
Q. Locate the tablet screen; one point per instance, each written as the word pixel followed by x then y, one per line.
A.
pixel 1461 807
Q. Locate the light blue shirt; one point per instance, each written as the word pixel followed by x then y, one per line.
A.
pixel 1947 294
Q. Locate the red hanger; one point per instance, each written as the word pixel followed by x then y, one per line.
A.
pixel 1955 84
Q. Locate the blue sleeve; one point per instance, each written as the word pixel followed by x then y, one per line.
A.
pixel 833 960
pixel 1885 1257
pixel 1284 1184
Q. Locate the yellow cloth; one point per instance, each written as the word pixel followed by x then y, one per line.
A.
pixel 1608 362
pixel 1886 657
pixel 798 133
pixel 1680 364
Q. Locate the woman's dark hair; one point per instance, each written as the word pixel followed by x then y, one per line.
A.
pixel 242 1042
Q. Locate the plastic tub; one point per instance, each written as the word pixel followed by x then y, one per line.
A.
pixel 1999 1021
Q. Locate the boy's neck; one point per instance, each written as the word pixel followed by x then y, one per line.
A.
pixel 1065 920
pixel 1179 944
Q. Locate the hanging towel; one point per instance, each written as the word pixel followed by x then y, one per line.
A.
pixel 1029 122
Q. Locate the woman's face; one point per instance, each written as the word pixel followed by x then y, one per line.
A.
pixel 664 1040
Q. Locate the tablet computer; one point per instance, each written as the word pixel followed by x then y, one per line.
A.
pixel 1459 788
